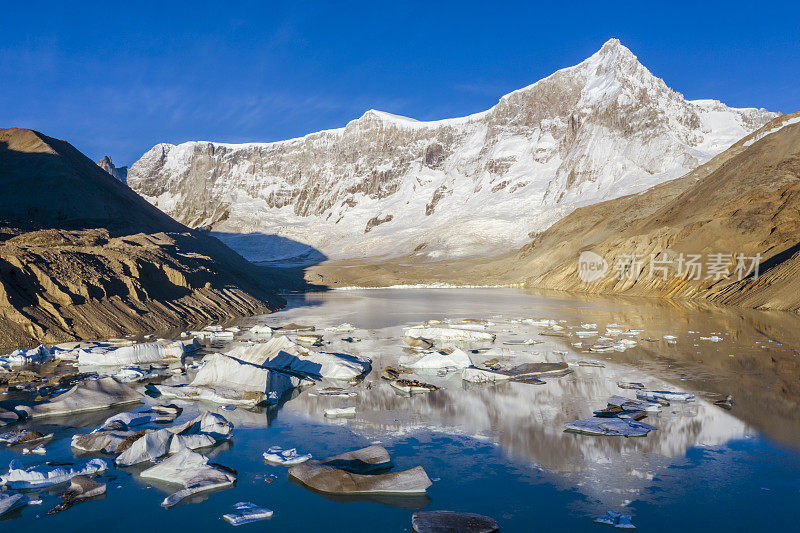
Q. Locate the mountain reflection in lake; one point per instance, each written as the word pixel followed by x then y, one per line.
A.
pixel 500 449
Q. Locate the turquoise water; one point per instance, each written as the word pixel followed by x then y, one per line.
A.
pixel 499 450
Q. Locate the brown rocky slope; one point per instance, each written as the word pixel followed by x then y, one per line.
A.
pixel 83 256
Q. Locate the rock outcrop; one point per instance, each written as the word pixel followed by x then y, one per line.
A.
pixel 83 256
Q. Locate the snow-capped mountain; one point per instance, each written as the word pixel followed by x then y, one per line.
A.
pixel 390 185
pixel 121 173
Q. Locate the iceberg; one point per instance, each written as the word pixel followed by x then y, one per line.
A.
pixel 455 359
pixel 47 475
pixel 91 395
pixel 449 334
pixel 281 353
pixel 38 355
pixel 81 488
pixel 193 472
pixel 332 480
pixel 131 355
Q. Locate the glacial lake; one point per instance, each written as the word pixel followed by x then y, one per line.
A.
pixel 499 449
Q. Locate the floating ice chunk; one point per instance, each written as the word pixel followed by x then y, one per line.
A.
pixel 81 488
pixel 441 521
pixel 338 481
pixel 634 405
pixel 7 417
pixel 101 441
pixel 367 460
pixel 131 355
pixel 340 412
pixel 670 396
pixel 412 385
pixel 215 394
pixel 526 342
pixel 417 343
pixel 334 392
pixel 281 353
pixel 589 326
pixel 278 455
pixel 669 337
pixel 586 333
pixel 126 420
pixel 91 395
pixel 342 328
pixel 22 436
pixel 205 430
pixel 130 374
pixel 148 447
pixel 449 334
pixel 543 323
pixel 38 355
pixel 47 475
pixel 455 359
pixel 246 513
pixel 712 338
pixel 193 472
pixel 618 520
pixel 261 329
pixel 482 375
pixel 39 450
pixel 9 502
pixel 609 426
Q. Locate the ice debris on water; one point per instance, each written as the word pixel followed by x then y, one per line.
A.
pixel 340 412
pixel 616 519
pixel 9 502
pixel 46 475
pixel 623 427
pixel 664 395
pixel 278 455
pixel 245 513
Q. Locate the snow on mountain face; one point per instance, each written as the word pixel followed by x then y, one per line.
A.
pixel 121 173
pixel 481 184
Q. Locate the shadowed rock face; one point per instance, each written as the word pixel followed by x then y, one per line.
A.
pixel 478 184
pixel 83 256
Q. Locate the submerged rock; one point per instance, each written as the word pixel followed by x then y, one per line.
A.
pixel 47 475
pixel 452 522
pixel 81 488
pixel 193 472
pixel 91 395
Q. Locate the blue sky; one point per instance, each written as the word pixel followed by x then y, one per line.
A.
pixel 117 80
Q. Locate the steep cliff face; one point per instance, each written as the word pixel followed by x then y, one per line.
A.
pixel 121 173
pixel 480 184
pixel 83 256
pixel 745 201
